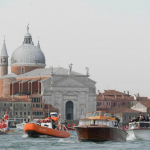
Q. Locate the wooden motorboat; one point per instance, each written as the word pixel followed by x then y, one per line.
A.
pixel 45 127
pixel 139 130
pixel 99 126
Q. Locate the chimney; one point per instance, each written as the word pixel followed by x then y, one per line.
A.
pixel 135 97
pixel 128 92
pixel 98 92
pixel 105 90
pixel 124 92
pixel 138 95
pixel 103 96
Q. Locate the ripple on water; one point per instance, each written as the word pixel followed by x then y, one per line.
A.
pixel 19 141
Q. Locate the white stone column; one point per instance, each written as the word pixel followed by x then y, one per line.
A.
pixel 78 106
pixel 87 103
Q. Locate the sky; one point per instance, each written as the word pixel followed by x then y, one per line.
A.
pixel 111 37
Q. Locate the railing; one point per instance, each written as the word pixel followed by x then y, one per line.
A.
pixel 142 124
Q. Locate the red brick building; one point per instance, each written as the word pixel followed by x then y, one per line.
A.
pixel 113 99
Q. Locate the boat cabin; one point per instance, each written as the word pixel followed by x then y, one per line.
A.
pixel 139 125
pixel 43 122
pixel 99 118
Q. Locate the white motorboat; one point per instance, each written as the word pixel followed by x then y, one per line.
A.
pixel 20 125
pixel 139 130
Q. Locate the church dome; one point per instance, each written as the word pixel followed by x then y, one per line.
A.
pixel 28 54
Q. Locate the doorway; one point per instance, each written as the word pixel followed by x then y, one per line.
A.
pixel 69 110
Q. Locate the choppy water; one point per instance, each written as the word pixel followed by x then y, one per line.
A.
pixel 18 141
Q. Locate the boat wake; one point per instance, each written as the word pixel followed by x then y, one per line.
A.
pixel 24 135
pixel 67 141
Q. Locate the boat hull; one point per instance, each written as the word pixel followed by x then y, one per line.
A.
pixel 143 134
pixel 34 130
pixel 100 134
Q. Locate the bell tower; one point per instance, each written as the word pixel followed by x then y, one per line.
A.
pixel 3 61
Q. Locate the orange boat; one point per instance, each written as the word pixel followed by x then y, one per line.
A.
pixel 45 127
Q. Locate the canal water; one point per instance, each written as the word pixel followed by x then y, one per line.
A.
pixel 17 140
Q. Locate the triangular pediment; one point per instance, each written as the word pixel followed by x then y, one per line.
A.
pixel 70 82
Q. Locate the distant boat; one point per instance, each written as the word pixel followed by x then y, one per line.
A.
pixel 139 130
pixel 20 125
pixel 99 126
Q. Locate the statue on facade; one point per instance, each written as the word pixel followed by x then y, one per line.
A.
pixel 51 69
pixel 70 68
pixel 28 28
pixel 87 70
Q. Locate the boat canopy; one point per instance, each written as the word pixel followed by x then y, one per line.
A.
pixel 100 115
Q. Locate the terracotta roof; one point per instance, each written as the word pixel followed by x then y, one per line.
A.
pixel 122 110
pixel 15 100
pixel 113 92
pixel 50 107
pixel 145 103
pixel 34 95
pixel 101 98
pixel 142 98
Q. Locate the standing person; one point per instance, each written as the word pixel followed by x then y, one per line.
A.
pixel 148 117
pixel 6 117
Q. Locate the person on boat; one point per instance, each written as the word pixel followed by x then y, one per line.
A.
pixel 6 117
pixel 141 117
pixel 1 125
pixel 73 125
pixel 68 125
pixel 148 117
pixel 134 119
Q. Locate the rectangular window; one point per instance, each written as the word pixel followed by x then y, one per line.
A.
pixel 5 104
pixel 123 103
pixel 16 113
pixel 33 105
pixel 28 105
pixel 28 113
pixel 21 113
pixel 24 105
pixel 41 105
pixel 34 100
pixel 37 105
pixel 10 104
pixel 25 113
pixel 22 70
pixel 114 104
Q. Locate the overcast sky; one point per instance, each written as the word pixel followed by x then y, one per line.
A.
pixel 111 37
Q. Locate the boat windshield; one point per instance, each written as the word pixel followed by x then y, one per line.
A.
pixel 105 114
pixel 93 114
pixel 35 121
